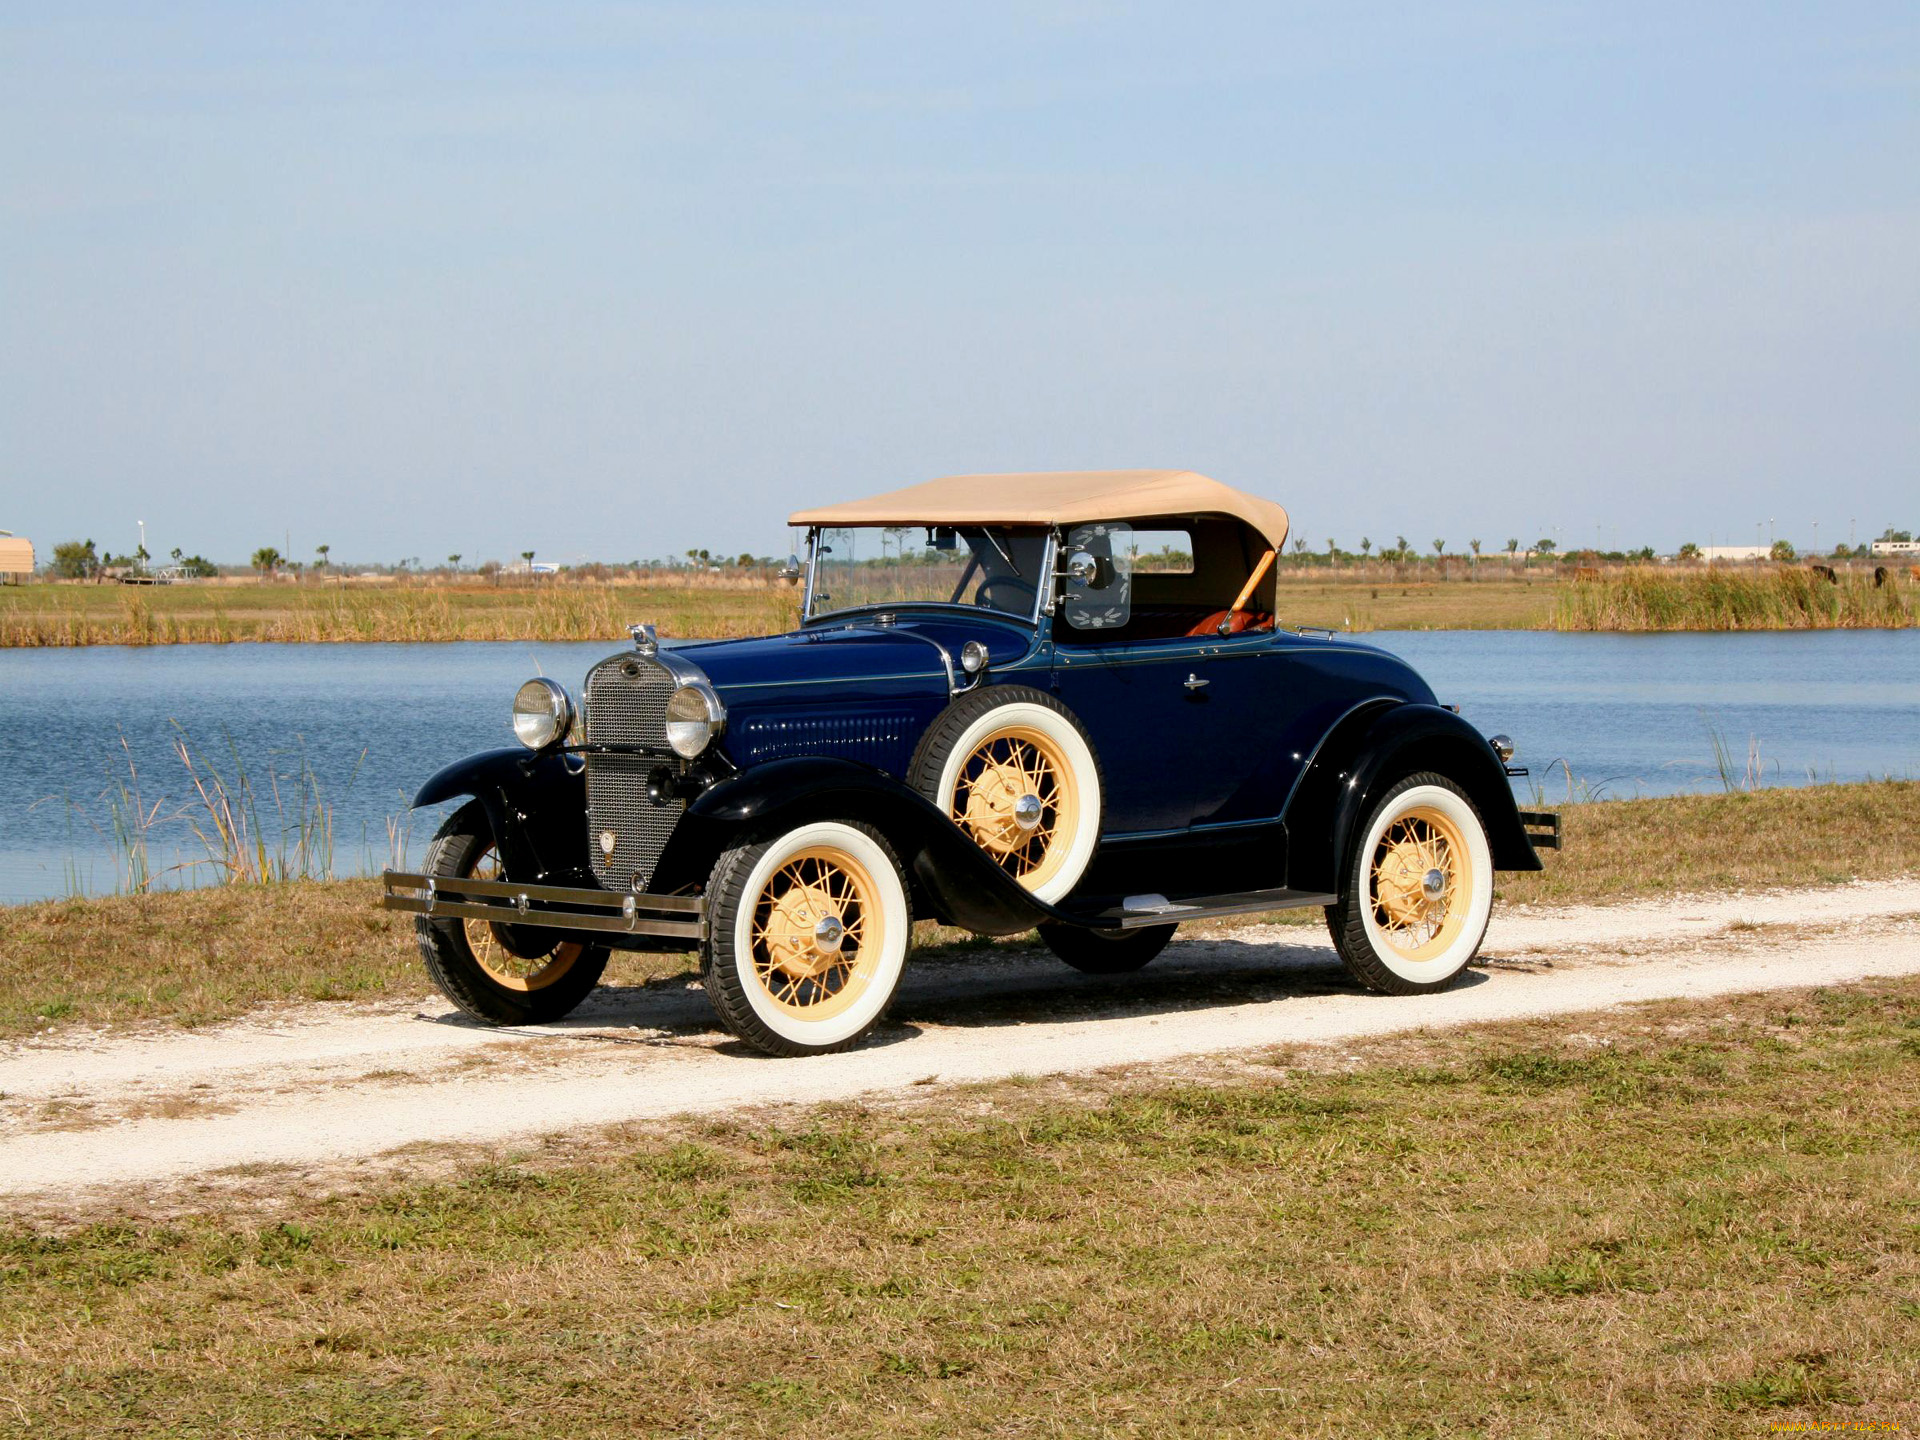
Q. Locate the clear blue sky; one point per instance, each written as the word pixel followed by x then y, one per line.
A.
pixel 615 280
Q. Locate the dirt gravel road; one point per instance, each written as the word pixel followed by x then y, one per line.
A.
pixel 324 1084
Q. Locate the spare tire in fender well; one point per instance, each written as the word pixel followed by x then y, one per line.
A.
pixel 1369 750
pixel 1078 797
pixel 963 884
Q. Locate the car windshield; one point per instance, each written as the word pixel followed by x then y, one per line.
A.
pixel 993 567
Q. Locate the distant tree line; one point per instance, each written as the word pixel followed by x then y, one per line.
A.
pixel 82 560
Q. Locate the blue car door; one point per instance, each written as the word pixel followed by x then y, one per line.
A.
pixel 1272 698
pixel 1148 709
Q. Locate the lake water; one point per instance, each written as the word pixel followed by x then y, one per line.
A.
pixel 1625 714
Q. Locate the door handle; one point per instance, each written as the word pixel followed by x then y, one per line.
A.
pixel 1194 682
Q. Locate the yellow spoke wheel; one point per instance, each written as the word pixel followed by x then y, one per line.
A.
pixel 806 937
pixel 473 962
pixel 818 930
pixel 1421 881
pixel 1017 796
pixel 1011 767
pixel 1417 889
pixel 502 966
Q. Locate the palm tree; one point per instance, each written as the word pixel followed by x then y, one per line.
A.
pixel 454 560
pixel 1439 547
pixel 1476 548
pixel 266 559
pixel 1512 545
pixel 527 555
pixel 1366 545
pixel 322 551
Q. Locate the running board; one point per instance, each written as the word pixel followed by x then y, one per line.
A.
pixel 1137 911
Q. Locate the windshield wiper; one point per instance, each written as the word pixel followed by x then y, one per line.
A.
pixel 994 540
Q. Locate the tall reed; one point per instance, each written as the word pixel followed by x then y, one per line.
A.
pixel 1645 598
pixel 294 842
pixel 278 828
pixel 126 834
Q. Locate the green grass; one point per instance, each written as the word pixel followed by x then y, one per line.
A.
pixel 1720 598
pixel 1684 1219
pixel 191 957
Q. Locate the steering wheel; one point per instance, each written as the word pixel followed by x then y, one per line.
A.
pixel 987 585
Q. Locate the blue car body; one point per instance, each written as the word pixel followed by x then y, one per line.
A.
pixel 1068 706
pixel 1250 783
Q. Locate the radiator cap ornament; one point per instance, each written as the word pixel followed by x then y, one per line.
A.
pixel 645 640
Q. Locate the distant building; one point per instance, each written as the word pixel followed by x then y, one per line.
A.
pixel 1880 547
pixel 1735 552
pixel 16 557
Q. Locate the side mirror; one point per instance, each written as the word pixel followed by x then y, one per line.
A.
pixel 790 572
pixel 1089 572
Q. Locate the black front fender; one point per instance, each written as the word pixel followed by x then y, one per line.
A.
pixel 536 805
pixel 964 886
pixel 1370 751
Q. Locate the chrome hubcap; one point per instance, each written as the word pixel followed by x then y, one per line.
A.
pixel 1433 884
pixel 1026 812
pixel 828 933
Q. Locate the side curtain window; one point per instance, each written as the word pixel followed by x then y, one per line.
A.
pixel 1099 570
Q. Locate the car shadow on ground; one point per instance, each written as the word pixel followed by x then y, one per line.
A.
pixel 1002 987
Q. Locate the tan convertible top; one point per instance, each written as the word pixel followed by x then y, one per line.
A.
pixel 1054 497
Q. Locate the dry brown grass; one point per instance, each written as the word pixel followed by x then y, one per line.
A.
pixel 1811 835
pixel 1306 598
pixel 422 610
pixel 66 615
pixel 196 956
pixel 1686 1219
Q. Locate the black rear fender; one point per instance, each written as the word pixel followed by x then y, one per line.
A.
pixel 1369 751
pixel 953 875
pixel 536 805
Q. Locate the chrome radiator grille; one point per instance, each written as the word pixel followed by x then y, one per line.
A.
pixel 627 705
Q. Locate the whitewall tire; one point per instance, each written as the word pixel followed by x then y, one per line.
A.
pixel 1418 889
pixel 1012 768
pixel 807 936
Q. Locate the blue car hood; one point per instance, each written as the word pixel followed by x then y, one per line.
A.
pixel 853 653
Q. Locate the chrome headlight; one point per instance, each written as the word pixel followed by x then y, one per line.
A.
pixel 542 713
pixel 1502 746
pixel 694 716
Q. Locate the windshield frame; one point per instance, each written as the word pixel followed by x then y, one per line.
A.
pixel 1042 590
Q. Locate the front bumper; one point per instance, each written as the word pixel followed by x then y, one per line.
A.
pixel 544 907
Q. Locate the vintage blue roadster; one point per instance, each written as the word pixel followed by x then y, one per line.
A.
pixel 1055 701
